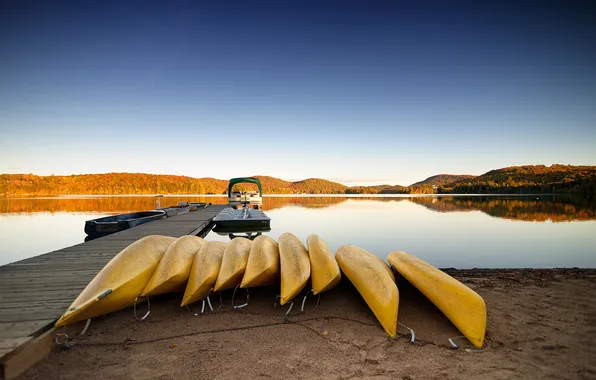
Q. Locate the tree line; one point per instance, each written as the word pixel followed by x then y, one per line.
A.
pixel 536 179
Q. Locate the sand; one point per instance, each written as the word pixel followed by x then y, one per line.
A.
pixel 541 325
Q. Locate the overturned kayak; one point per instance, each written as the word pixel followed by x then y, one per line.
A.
pixel 204 272
pixel 460 304
pixel 294 266
pixel 120 282
pixel 233 264
pixel 173 270
pixel 325 273
pixel 369 275
pixel 262 267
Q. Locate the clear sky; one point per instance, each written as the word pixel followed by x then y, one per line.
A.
pixel 361 93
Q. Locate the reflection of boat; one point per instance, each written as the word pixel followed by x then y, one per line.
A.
pixel 245 198
pixel 110 224
pixel 241 220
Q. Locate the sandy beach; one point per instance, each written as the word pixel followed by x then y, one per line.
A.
pixel 541 324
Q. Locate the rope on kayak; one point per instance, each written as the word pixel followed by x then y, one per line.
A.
pixel 286 321
pixel 220 302
pixel 455 346
pixel 66 343
pixel 86 327
pixel 304 300
pixel 234 294
pixel 69 343
pixel 290 308
pixel 452 343
pixel 209 304
pixel 148 309
pixel 412 333
pixel 190 311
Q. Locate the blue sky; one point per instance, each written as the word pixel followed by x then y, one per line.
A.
pixel 361 93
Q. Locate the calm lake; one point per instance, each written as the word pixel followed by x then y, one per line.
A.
pixel 447 231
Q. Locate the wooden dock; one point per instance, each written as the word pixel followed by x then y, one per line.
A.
pixel 35 292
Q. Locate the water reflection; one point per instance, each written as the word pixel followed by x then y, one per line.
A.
pixel 534 209
pixel 453 239
pixel 447 231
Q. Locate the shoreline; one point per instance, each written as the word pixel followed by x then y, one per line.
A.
pixel 74 196
pixel 540 324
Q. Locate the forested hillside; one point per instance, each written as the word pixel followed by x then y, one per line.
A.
pixel 379 189
pixel 511 180
pixel 528 179
pixel 443 179
pixel 136 183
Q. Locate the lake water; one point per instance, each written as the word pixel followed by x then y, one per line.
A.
pixel 447 231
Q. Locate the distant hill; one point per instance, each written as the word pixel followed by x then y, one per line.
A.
pixel 379 189
pixel 511 180
pixel 272 185
pixel 318 186
pixel 443 179
pixel 528 179
pixel 138 183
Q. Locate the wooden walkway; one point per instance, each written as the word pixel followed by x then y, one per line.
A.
pixel 34 292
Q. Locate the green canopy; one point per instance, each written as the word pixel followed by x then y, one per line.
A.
pixel 234 181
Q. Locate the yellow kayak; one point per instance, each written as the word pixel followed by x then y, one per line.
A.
pixel 325 270
pixel 120 282
pixel 463 306
pixel 233 264
pixel 262 267
pixel 295 266
pixel 173 270
pixel 204 271
pixel 369 275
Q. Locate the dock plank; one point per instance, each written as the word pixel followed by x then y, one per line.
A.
pixel 35 291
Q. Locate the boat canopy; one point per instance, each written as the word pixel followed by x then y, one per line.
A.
pixel 234 181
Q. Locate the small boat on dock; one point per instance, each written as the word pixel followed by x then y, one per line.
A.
pixel 182 208
pixel 194 206
pixel 111 224
pixel 252 199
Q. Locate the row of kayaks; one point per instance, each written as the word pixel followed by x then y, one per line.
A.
pixel 159 264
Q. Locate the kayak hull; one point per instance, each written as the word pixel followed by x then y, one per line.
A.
pixel 204 272
pixel 369 275
pixel 233 264
pixel 120 282
pixel 173 270
pixel 460 304
pixel 325 273
pixel 262 267
pixel 294 265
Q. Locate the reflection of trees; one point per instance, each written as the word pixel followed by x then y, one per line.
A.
pixel 129 204
pixel 103 204
pixel 556 209
pixel 271 203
